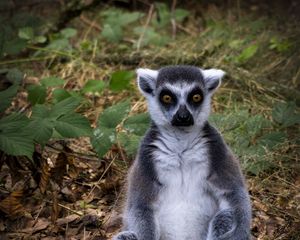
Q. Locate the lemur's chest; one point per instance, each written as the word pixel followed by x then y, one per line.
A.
pixel 185 204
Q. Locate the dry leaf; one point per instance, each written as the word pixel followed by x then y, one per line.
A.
pixel 12 206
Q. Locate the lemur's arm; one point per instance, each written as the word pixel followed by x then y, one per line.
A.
pixel 138 221
pixel 232 221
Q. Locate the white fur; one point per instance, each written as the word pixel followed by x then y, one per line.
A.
pixel 148 75
pixel 184 207
pixel 212 73
pixel 146 72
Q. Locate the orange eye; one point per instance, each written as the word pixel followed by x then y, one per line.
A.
pixel 197 98
pixel 166 98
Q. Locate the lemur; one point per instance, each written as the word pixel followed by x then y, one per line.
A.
pixel 185 183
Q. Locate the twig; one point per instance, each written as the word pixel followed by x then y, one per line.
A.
pixel 93 188
pixel 69 209
pixel 75 154
pixel 91 23
pixel 25 60
pixel 145 27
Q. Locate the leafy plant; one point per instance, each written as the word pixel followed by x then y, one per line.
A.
pixel 93 86
pixel 120 80
pixel 18 133
pixel 37 93
pixel 115 21
pixel 104 136
pixel 286 114
pixel 251 137
pixel 279 44
pixel 247 54
pixel 14 76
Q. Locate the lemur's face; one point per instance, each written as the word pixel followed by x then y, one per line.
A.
pixel 179 96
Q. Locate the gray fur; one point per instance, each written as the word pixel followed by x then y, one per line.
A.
pixel 185 183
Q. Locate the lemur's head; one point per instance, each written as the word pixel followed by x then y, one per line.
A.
pixel 179 95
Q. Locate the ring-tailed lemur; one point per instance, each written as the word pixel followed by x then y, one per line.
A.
pixel 185 183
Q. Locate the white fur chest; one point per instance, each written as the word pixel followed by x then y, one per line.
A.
pixel 184 206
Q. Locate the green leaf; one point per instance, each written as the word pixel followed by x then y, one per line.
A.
pixel 285 114
pixel 112 33
pixel 130 142
pixel 52 82
pixel 102 140
pixel 12 122
pixel 129 17
pixel 60 94
pixel 93 86
pixel 41 130
pixel 68 32
pixel 120 80
pixel 14 46
pixel 64 107
pixel 36 94
pixel 17 144
pixel 164 15
pixel 181 14
pixel 7 96
pixel 26 33
pixel 271 140
pixel 39 39
pixel 247 53
pixel 113 115
pixel 40 111
pixel 14 75
pixel 137 124
pixel 256 167
pixel 13 140
pixel 73 125
pixel 151 36
pixel 60 45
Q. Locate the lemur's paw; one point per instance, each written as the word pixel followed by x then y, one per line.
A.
pixel 222 224
pixel 126 235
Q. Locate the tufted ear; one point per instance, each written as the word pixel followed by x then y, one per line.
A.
pixel 212 78
pixel 146 79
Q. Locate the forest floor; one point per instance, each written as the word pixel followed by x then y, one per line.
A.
pixel 256 46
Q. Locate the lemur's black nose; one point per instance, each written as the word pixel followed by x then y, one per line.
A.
pixel 183 117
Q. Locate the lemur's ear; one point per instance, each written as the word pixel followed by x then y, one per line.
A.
pixel 212 78
pixel 146 79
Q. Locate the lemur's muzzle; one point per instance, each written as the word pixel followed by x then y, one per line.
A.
pixel 183 117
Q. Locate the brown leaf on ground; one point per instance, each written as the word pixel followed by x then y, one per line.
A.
pixel 45 175
pixel 12 206
pixel 33 227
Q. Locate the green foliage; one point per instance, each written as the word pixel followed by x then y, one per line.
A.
pixel 13 139
pixel 104 136
pixel 18 31
pixel 7 95
pixel 247 54
pixel 165 15
pixel 18 134
pixel 120 80
pixel 36 94
pixel 280 45
pixel 285 114
pixel 135 128
pixel 252 138
pixel 115 21
pixel 52 82
pixel 93 86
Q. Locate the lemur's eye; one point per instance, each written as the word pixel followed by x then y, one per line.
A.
pixel 166 98
pixel 196 98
